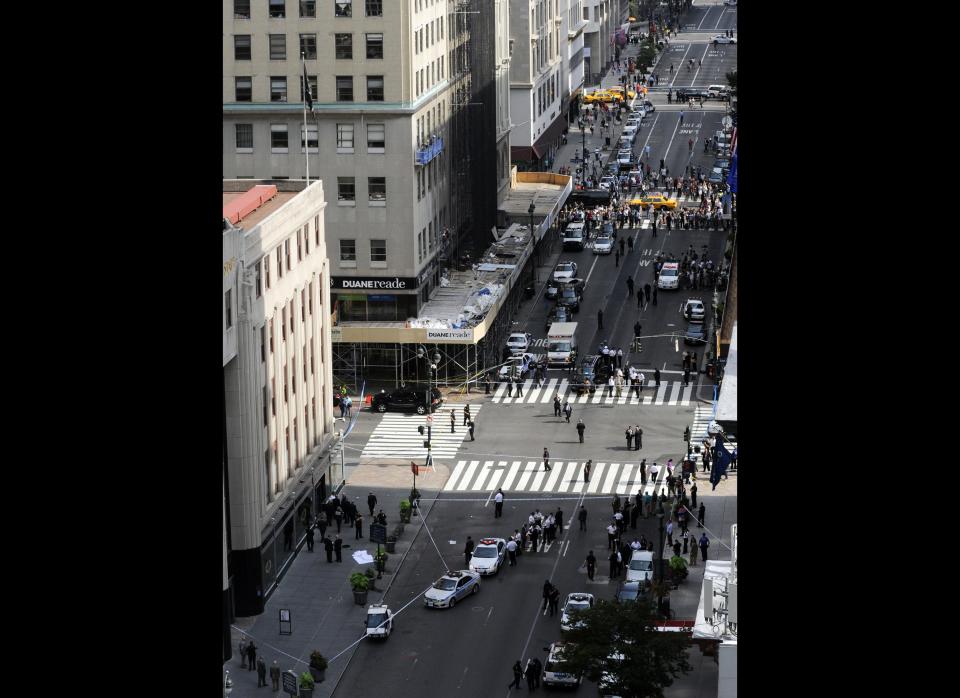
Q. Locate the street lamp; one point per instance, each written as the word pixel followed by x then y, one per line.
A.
pixel 660 515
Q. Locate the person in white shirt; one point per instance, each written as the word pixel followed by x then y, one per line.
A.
pixel 498 504
pixel 611 535
pixel 635 545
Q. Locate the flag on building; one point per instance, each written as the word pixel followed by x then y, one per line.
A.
pixel 307 96
pixel 721 459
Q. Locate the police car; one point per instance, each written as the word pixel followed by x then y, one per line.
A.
pixel 603 245
pixel 553 670
pixel 669 276
pixel 576 601
pixel 379 622
pixel 488 555
pixel 450 588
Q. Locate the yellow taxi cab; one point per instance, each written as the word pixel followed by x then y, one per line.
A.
pixel 596 96
pixel 658 201
pixel 619 90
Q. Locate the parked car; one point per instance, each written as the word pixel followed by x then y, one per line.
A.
pixel 565 271
pixel 607 182
pixel 558 313
pixel 658 201
pixel 576 601
pixel 723 39
pixel 517 366
pixel 693 310
pixel 379 623
pixel 407 398
pixel 450 588
pixel 641 566
pixel 570 297
pixel 631 591
pixel 488 555
pixel 716 176
pixel 554 671
pixel 593 371
pixel 718 91
pixel 603 245
pixel 519 342
pixel 625 156
pixel 696 334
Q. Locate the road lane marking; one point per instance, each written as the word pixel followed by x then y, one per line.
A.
pixel 511 474
pixel 468 477
pixel 569 477
pixel 595 482
pixel 484 472
pixel 611 475
pixel 548 390
pixel 624 483
pixel 452 480
pixel 554 474
pixel 527 472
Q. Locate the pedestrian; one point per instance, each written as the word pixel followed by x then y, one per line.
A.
pixel 600 319
pixel 638 435
pixel 275 675
pixel 654 295
pixel 358 524
pixel 466 414
pixel 615 503
pixel 467 552
pixel 554 600
pixel 616 259
pixel 519 388
pixel 546 460
pixel 614 560
pixel 580 428
pixel 693 495
pixel 676 548
pixel 591 565
pixel 639 302
pixel 371 502
pixel 582 517
pixel 243 653
pixel 251 656
pixel 512 551
pixel 619 358
pixel 628 433
pixel 538 669
pixel 586 470
pixel 656 377
pixel 611 536
pixel 686 540
pixel 693 555
pixel 686 375
pixel 453 422
pixel 629 286
pixel 486 383
pixel 498 504
pixel 558 517
pixel 328 547
pixel 547 587
pixel 338 517
pixel 556 404
pixel 261 672
pixel 634 515
pixel 470 427
pixel 517 675
pixel 310 539
pixel 530 673
pixel 337 548
pixel 704 544
pixel 670 532
pixel 567 410
pixel 643 474
pixel 701 515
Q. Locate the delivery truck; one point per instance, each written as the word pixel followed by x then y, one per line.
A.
pixel 561 343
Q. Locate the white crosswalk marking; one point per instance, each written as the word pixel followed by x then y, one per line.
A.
pixel 554 476
pixel 396 435
pixel 611 476
pixel 549 390
pixel 511 474
pixel 535 485
pixel 454 476
pixel 527 472
pixel 484 472
pixel 624 482
pixel 569 476
pixel 661 393
pixel 535 392
pixel 563 477
pixel 670 393
pixel 468 476
pixel 595 474
pixel 496 474
pixel 685 396
pixel 500 392
pixel 674 392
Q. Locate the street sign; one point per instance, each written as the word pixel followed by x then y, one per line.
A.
pixel 414 468
pixel 290 682
pixel 429 419
pixel 378 533
pixel 286 620
pixel 727 122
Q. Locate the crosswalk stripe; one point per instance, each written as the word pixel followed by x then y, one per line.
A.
pixel 548 391
pixel 579 483
pixel 685 396
pixel 611 475
pixel 623 484
pixel 527 472
pixel 484 473
pixel 535 392
pixel 661 393
pixel 496 473
pixel 500 392
pixel 598 395
pixel 562 389
pixel 541 472
pixel 554 475
pixel 569 475
pixel 468 476
pixel 583 398
pixel 452 480
pixel 511 474
pixel 675 390
pixel 595 481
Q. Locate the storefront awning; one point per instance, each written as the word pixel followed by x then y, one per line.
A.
pixel 552 133
pixel 525 153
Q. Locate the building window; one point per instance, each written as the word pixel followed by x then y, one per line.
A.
pixel 241 9
pixel 244 89
pixel 344 88
pixel 299 246
pixel 316 230
pixel 345 138
pixel 286 252
pixel 375 88
pixel 278 8
pixel 311 136
pixel 278 47
pixel 271 332
pixel 241 47
pixel 308 46
pixel 306 238
pixel 374 8
pixel 286 397
pixel 280 268
pixel 343 8
pixel 228 304
pixel 310 297
pixel 258 280
pixel 375 138
pixel 278 138
pixel 378 250
pixel 265 415
pixel 263 346
pixel 312 81
pixel 377 188
pixel 308 8
pixel 343 44
pixel 266 270
pixel 348 250
pixel 278 89
pixel 374 45
pixel 346 189
pixel 244 138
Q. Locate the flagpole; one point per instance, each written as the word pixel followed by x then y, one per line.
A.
pixel 303 95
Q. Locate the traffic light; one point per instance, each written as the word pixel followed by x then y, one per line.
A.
pixel 686 434
pixel 420 429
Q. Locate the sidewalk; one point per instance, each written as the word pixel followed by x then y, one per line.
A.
pixel 317 593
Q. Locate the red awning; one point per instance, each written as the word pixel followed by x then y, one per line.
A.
pixel 525 153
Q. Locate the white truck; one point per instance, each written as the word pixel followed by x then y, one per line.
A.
pixel 561 343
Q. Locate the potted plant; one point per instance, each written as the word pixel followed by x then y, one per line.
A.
pixel 380 559
pixel 371 578
pixel 398 531
pixel 359 583
pixel 391 544
pixel 405 510
pixel 318 665
pixel 306 685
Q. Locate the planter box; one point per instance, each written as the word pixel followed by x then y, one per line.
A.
pixel 360 598
pixel 391 546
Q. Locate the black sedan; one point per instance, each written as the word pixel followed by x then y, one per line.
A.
pixel 558 314
pixel 632 591
pixel 696 334
pixel 570 297
pixel 594 370
pixel 409 397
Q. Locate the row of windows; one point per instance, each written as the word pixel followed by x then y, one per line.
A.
pixel 428 35
pixel 347 188
pixel 279 141
pixel 284 259
pixel 278 88
pixel 429 75
pixel 277 9
pixel 343 46
pixel 378 251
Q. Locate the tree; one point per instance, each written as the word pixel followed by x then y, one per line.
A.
pixel 732 80
pixel 619 643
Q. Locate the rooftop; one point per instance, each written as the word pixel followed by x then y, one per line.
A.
pixel 544 189
pixel 252 219
pixel 727 402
